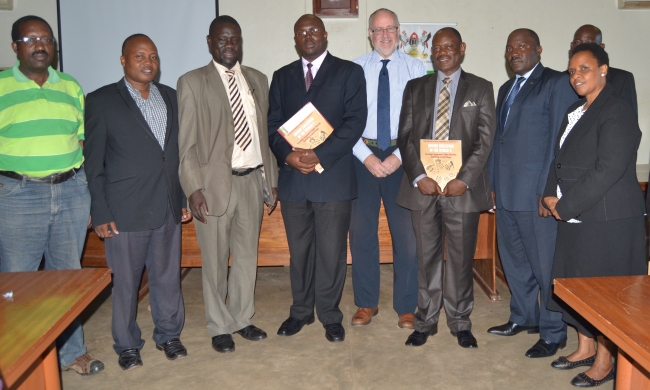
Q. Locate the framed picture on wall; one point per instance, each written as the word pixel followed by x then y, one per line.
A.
pixel 415 39
pixel 336 8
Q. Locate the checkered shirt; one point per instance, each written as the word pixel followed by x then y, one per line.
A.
pixel 154 110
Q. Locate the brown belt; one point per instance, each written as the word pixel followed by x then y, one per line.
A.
pixel 373 142
pixel 55 178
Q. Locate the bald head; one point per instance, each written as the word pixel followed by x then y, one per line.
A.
pixel 587 34
pixel 309 19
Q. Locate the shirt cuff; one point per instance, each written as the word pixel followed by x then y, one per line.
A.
pixel 361 150
pixel 417 179
pixel 398 154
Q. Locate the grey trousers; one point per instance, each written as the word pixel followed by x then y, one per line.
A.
pixel 127 254
pixel 235 234
pixel 444 283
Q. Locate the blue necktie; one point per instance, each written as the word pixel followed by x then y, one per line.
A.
pixel 383 108
pixel 509 100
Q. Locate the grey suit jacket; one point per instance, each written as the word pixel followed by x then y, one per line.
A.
pixel 473 125
pixel 207 134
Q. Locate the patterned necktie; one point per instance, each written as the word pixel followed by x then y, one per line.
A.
pixel 383 108
pixel 242 133
pixel 442 117
pixel 309 78
pixel 509 100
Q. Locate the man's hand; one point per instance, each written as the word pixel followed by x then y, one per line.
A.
pixel 428 186
pixel 307 156
pixel 541 210
pixel 198 206
pixel 106 230
pixel 274 203
pixel 90 222
pixel 294 161
pixel 455 188
pixel 551 202
pixel 391 163
pixel 187 215
pixel 375 166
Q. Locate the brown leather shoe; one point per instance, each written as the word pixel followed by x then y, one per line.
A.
pixel 405 321
pixel 363 316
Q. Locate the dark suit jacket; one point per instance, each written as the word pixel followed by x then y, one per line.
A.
pixel 622 82
pixel 473 125
pixel 523 150
pixel 596 166
pixel 132 181
pixel 339 93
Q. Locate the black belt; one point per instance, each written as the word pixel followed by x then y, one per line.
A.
pixel 55 178
pixel 245 172
pixel 373 142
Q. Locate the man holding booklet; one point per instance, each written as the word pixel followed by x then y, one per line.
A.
pixel 445 210
pixel 316 201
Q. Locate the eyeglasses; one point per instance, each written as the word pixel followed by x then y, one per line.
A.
pixel 311 31
pixel 32 40
pixel 389 30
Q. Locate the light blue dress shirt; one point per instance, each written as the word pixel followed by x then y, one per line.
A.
pixel 401 69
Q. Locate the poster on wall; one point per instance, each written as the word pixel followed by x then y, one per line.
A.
pixel 415 39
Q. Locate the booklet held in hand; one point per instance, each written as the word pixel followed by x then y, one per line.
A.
pixel 306 130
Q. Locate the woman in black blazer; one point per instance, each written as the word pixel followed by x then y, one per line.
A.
pixel 593 190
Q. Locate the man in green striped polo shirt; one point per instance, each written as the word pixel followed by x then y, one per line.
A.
pixel 44 198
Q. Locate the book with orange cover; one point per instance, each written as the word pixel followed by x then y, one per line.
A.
pixel 306 129
pixel 441 159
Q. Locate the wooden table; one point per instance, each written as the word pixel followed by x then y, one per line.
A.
pixel 619 307
pixel 44 303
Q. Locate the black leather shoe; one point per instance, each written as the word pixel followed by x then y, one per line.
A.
pixel 417 339
pixel 583 380
pixel 334 332
pixel 511 329
pixel 252 333
pixel 223 343
pixel 173 348
pixel 562 363
pixel 543 348
pixel 292 326
pixel 129 359
pixel 465 339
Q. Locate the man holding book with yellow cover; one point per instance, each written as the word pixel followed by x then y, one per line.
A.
pixel 463 109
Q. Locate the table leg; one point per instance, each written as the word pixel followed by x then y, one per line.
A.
pixel 629 374
pixel 43 374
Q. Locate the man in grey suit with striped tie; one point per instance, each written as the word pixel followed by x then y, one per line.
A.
pixel 228 172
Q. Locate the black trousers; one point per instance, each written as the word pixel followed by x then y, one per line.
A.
pixel 127 254
pixel 317 235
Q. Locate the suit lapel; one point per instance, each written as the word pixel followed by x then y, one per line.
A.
pixel 215 87
pixel 170 113
pixel 429 105
pixel 533 79
pixel 321 75
pixel 133 107
pixel 584 123
pixel 503 94
pixel 458 104
pixel 297 73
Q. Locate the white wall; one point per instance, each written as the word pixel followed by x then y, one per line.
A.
pixel 484 24
pixel 46 9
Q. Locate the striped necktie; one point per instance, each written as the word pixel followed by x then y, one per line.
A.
pixel 242 132
pixel 442 117
pixel 309 78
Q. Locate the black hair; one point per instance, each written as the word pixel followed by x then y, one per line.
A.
pixel 130 37
pixel 598 52
pixel 221 20
pixel 15 29
pixel 452 30
pixel 531 33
